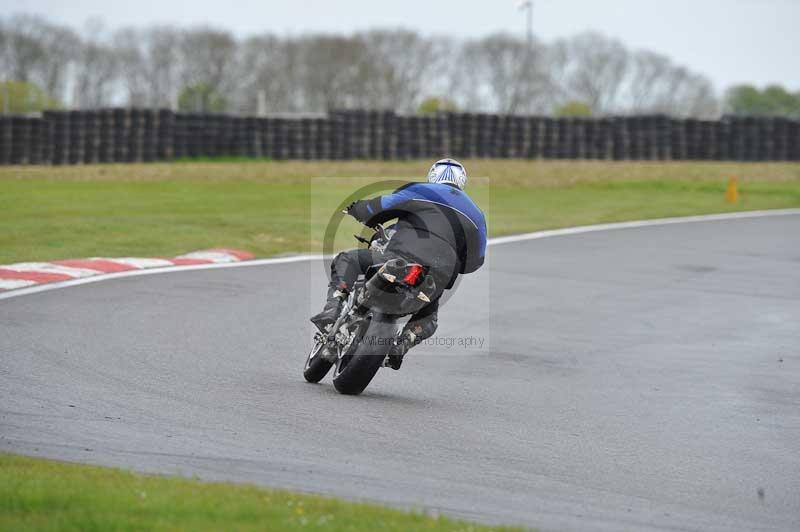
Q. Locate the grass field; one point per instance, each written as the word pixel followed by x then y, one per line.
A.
pixel 45 495
pixel 52 213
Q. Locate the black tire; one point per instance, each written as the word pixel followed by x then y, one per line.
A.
pixel 354 373
pixel 316 367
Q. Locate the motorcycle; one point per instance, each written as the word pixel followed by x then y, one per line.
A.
pixel 368 327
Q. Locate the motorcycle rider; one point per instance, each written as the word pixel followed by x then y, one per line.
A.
pixel 438 225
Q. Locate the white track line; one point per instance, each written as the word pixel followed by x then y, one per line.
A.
pixel 492 242
pixel 641 223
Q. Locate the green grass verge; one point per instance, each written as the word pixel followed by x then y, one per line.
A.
pixel 40 494
pixel 222 159
pixel 49 213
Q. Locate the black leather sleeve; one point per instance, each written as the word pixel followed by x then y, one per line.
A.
pixel 371 212
pixel 365 210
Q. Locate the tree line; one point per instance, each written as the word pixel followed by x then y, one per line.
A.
pixel 44 64
pixel 772 100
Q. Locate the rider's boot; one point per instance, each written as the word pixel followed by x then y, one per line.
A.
pixel 395 358
pixel 416 330
pixel 333 306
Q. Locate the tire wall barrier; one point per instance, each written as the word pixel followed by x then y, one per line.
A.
pixel 145 135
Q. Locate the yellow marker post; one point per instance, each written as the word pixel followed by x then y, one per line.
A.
pixel 732 193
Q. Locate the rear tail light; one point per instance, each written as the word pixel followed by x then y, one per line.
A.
pixel 413 274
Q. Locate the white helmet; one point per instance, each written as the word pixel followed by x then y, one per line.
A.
pixel 448 171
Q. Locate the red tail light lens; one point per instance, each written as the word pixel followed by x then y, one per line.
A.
pixel 413 274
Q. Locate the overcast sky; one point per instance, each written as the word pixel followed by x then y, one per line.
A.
pixel 730 41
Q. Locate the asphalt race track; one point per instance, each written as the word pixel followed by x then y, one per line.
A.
pixel 634 379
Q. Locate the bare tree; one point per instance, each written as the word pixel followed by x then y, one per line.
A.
pixel 334 70
pixel 591 68
pixel 148 65
pixel 656 85
pixel 502 73
pixel 35 51
pixel 61 48
pixel 161 53
pixel 650 81
pixel 96 69
pixel 693 95
pixel 132 66
pixel 207 56
pixel 378 69
pixel 270 65
pixel 399 65
pixel 23 47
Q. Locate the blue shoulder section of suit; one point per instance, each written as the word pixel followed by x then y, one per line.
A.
pixel 441 194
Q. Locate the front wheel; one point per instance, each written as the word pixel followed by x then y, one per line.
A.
pixel 316 365
pixel 354 372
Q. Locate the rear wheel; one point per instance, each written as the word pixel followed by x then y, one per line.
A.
pixel 316 365
pixel 355 371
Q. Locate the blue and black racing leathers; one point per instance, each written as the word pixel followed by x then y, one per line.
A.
pixel 438 225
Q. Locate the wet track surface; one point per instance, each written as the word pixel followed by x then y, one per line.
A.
pixel 632 379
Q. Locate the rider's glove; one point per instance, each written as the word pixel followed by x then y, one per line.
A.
pixel 349 208
pixel 361 210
